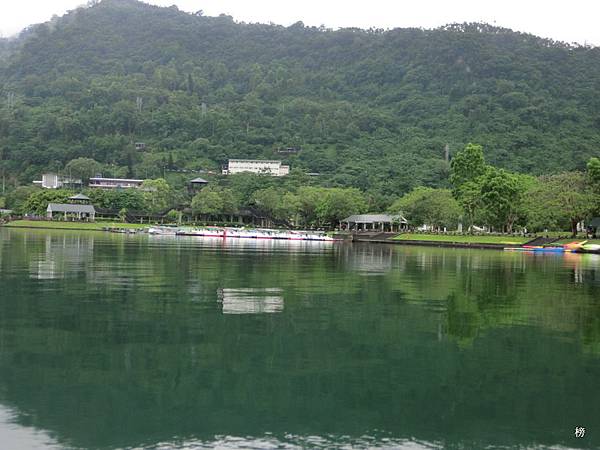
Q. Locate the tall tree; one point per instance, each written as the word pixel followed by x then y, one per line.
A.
pixel 467 165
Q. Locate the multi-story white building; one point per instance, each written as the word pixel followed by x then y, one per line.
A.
pixel 268 167
pixel 115 183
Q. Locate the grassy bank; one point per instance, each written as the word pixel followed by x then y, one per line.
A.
pixel 56 225
pixel 463 239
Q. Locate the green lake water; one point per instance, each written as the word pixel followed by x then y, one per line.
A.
pixel 112 341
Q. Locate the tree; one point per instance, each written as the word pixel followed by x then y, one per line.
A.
pixel 434 207
pixel 207 202
pixel 339 203
pixel 561 200
pixel 288 207
pixel 467 165
pixel 157 193
pixel 593 179
pixel 83 168
pixel 469 198
pixel 501 195
pixel 244 185
pixel 214 200
pixel 308 199
pixel 129 199
pixel 593 174
pixel 276 204
pixel 17 198
pixel 37 202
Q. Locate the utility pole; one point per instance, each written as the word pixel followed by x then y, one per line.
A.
pixel 447 152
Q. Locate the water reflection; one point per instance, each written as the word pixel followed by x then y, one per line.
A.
pixel 233 245
pixel 367 259
pixel 63 254
pixel 251 300
pixel 136 342
pixel 293 442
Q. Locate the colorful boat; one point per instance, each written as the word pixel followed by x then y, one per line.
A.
pixel 574 246
pixel 590 248
pixel 538 248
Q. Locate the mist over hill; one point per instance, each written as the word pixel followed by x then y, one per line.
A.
pixel 372 109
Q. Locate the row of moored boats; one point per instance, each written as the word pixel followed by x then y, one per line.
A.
pixel 242 233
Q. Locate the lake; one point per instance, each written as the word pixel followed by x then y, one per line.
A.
pixel 112 341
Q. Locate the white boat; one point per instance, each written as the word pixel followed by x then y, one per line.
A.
pixel 206 232
pixel 162 231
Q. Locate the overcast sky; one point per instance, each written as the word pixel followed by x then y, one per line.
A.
pixel 571 21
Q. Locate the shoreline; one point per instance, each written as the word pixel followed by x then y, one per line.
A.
pixel 104 227
pixel 448 244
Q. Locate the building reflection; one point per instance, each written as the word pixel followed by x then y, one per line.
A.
pixel 368 259
pixel 63 254
pixel 251 300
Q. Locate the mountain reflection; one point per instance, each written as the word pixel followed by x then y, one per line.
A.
pixel 134 342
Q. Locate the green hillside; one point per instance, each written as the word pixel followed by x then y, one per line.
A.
pixel 371 109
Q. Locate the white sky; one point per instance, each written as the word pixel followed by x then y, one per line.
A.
pixel 571 21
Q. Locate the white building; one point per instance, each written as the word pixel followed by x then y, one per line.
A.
pixel 54 181
pixel 274 168
pixel 114 183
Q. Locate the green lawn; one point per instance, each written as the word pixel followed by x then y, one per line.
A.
pixel 57 225
pixel 464 239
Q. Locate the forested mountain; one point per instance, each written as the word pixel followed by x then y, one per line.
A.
pixel 371 109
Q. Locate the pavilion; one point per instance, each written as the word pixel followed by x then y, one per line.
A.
pixel 198 183
pixel 80 198
pixel 79 212
pixel 375 222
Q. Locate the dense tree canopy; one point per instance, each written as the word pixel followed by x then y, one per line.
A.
pixel 368 109
pixel 560 201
